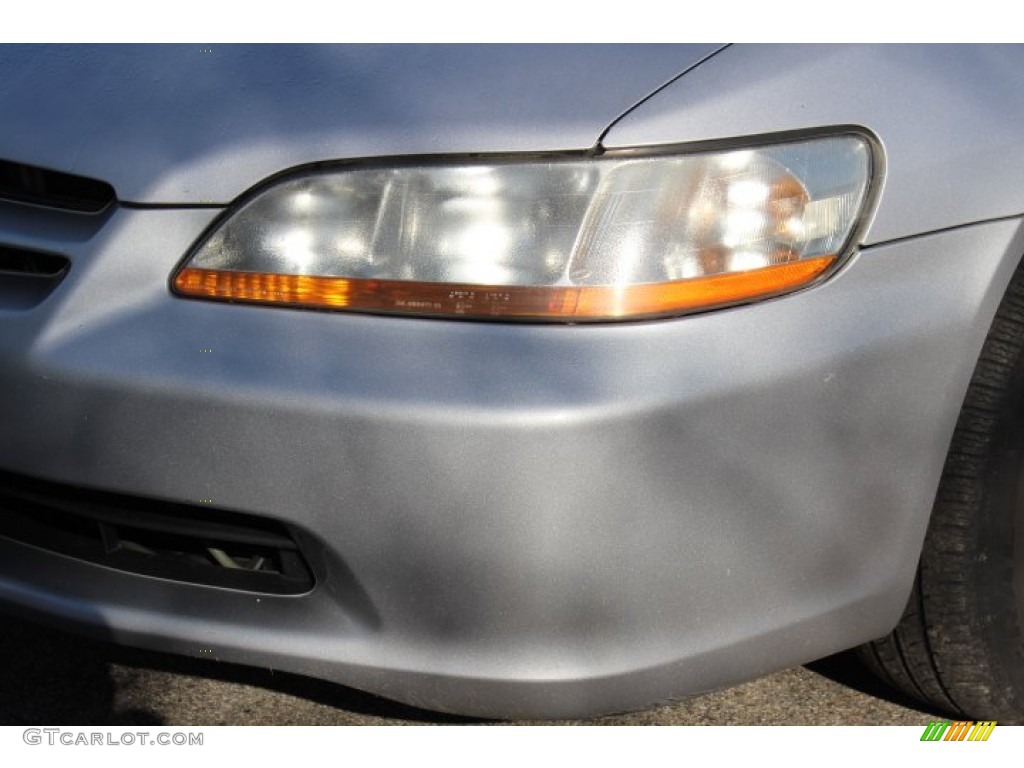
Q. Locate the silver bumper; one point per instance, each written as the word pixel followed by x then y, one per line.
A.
pixel 509 520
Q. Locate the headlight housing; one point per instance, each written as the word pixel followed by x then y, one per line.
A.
pixel 621 236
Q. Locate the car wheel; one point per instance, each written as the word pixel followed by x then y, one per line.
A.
pixel 960 644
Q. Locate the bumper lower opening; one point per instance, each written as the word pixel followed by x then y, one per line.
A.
pixel 181 542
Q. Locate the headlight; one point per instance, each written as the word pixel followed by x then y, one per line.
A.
pixel 596 238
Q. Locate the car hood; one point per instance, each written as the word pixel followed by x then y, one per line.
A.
pixel 191 124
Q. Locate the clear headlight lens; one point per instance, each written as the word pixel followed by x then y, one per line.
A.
pixel 573 240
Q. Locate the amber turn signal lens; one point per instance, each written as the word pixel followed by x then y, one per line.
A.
pixel 580 303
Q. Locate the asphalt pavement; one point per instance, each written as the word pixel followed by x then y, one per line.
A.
pixel 53 678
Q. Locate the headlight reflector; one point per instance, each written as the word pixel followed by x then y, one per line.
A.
pixel 582 239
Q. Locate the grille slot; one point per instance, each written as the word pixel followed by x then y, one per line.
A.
pixel 181 542
pixel 27 277
pixel 32 263
pixel 53 189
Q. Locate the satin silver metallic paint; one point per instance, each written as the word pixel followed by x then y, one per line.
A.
pixel 528 520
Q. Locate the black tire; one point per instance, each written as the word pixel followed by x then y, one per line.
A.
pixel 960 644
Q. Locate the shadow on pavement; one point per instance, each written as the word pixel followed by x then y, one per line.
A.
pixel 846 669
pixel 52 677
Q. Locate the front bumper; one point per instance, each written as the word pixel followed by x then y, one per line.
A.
pixel 507 520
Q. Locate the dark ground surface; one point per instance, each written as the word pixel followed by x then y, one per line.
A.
pixel 52 678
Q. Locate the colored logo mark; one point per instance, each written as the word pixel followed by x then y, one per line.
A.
pixel 960 730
